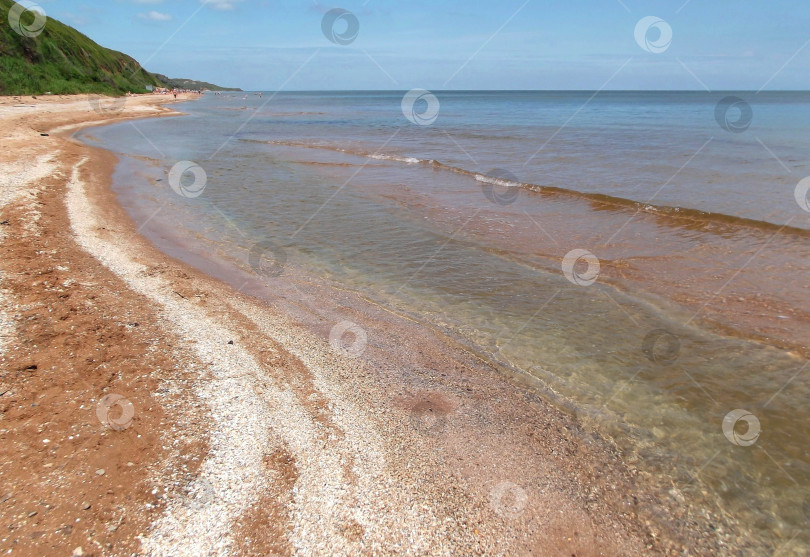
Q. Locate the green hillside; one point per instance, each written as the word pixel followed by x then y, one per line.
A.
pixel 63 61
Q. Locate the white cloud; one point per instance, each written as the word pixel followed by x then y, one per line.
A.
pixel 221 5
pixel 155 16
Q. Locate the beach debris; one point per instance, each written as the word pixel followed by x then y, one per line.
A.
pixel 44 134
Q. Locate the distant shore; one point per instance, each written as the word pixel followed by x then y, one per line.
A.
pixel 239 429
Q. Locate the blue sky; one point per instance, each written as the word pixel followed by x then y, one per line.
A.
pixel 454 44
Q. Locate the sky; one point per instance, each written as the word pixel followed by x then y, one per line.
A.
pixel 454 44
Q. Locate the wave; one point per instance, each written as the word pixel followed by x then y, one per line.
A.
pixel 600 200
pixel 406 160
pixel 375 156
pixel 321 163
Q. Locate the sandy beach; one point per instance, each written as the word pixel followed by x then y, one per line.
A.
pixel 147 408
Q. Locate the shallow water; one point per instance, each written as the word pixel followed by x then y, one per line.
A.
pixel 699 306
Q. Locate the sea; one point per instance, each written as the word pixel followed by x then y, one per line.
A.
pixel 641 258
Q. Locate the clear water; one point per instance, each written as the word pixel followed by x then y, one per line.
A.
pixel 701 242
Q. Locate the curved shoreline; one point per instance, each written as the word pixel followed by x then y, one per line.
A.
pixel 411 450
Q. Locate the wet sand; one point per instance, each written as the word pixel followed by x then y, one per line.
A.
pixel 249 433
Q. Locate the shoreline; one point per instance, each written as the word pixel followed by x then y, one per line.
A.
pixel 427 445
pixel 73 338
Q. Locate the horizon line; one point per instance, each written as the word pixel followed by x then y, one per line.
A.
pixel 399 90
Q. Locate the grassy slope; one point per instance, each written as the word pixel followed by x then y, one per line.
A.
pixel 63 61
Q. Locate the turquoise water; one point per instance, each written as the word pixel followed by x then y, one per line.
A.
pixel 699 307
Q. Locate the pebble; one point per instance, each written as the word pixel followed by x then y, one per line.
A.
pixel 78 552
pixel 100 472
